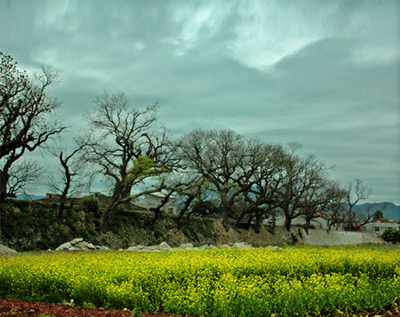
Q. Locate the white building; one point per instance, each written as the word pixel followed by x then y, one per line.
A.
pixel 379 227
pixel 155 199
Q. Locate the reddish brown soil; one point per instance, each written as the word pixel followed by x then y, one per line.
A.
pixel 21 308
pixel 11 307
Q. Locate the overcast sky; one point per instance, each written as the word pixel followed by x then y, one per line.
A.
pixel 321 73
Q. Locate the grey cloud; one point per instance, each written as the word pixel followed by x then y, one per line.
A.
pixel 360 152
pixel 323 73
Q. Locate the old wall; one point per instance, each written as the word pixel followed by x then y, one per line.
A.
pixel 281 236
pixel 321 237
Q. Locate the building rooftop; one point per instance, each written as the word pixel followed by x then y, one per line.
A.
pixel 160 195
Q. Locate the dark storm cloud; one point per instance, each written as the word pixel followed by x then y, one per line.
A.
pixel 322 73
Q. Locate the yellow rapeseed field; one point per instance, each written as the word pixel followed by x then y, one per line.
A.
pixel 300 280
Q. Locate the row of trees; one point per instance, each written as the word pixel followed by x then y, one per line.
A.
pixel 247 180
pixel 254 180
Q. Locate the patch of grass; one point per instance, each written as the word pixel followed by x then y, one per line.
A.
pixel 159 235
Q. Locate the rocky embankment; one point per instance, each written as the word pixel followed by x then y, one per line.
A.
pixel 34 226
pixel 79 244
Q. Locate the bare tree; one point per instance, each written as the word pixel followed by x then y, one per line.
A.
pixel 254 179
pixel 23 176
pixel 302 189
pixel 353 219
pixel 219 157
pixel 342 206
pixel 193 190
pixel 291 187
pixel 25 122
pixel 317 198
pixel 72 174
pixel 335 206
pixel 126 138
pixel 188 185
pixel 260 200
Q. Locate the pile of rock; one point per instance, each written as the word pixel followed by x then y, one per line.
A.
pixel 79 245
pixel 4 249
pixel 161 247
pixel 188 246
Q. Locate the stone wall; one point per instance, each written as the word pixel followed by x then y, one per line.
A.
pixel 322 237
pixel 174 236
pixel 281 236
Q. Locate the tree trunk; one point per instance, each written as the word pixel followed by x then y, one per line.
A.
pixel 272 228
pixel 62 201
pixel 248 225
pixel 158 212
pixel 257 223
pixel 5 176
pixel 71 207
pixel 288 222
pixel 61 208
pixel 115 201
pixel 239 219
pixel 184 209
pixel 225 218
pixel 307 225
pixel 107 214
pixel 3 183
pixel 225 210
pixel 329 224
pixel 124 194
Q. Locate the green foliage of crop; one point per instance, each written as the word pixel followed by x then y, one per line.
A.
pixel 298 281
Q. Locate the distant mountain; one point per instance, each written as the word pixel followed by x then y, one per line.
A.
pixel 391 211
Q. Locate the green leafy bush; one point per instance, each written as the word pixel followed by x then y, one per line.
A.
pixel 391 235
pixel 91 204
